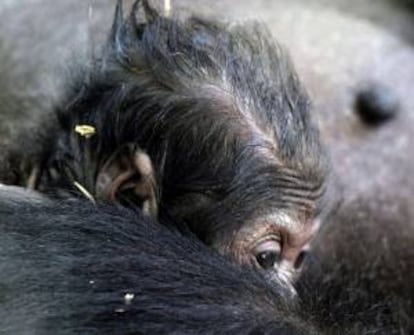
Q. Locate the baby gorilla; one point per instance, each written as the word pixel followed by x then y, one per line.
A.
pixel 199 123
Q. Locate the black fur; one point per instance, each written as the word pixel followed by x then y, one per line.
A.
pixel 70 267
pixel 67 268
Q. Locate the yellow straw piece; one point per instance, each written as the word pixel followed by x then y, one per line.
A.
pixel 84 191
pixel 85 130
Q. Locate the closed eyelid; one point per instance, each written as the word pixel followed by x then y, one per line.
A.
pixel 268 244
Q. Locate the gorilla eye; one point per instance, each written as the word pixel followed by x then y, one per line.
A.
pixel 267 254
pixel 268 259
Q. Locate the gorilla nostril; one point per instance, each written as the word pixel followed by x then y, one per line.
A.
pixel 376 103
pixel 301 257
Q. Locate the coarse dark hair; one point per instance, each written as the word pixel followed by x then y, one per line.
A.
pixel 71 267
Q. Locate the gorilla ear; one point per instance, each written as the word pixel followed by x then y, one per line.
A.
pixel 128 178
